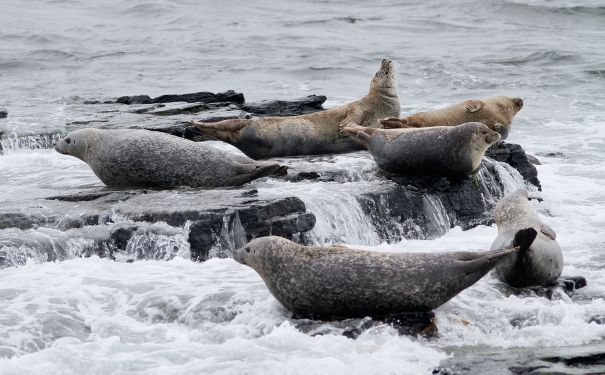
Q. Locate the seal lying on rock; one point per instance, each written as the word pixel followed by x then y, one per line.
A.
pixel 143 158
pixel 538 265
pixel 496 112
pixel 454 152
pixel 314 133
pixel 340 282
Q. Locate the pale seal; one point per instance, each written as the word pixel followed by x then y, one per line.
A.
pixel 143 158
pixel 444 151
pixel 314 133
pixel 341 282
pixel 496 112
pixel 540 264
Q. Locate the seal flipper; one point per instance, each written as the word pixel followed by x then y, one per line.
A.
pixel 548 232
pixel 473 105
pixel 523 240
pixel 394 123
pixel 261 171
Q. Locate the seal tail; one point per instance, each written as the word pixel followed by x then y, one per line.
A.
pixel 214 131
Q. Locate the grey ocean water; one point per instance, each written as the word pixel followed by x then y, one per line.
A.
pixel 97 316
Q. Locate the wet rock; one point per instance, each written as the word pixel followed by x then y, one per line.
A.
pixel 572 283
pixel 308 104
pixel 409 324
pixel 136 99
pixel 515 156
pixel 219 220
pixel 3 112
pixel 121 236
pixel 229 96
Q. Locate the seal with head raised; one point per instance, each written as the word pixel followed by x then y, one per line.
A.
pixel 143 158
pixel 313 133
pixel 444 151
pixel 537 265
pixel 496 112
pixel 341 282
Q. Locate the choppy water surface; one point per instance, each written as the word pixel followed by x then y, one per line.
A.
pixel 91 315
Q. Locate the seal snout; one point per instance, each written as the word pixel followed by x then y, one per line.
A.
pixel 518 102
pixel 239 255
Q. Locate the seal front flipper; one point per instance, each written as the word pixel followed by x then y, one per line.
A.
pixel 548 232
pixel 473 105
pixel 354 117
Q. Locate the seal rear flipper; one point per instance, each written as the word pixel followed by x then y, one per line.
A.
pixel 481 263
pixel 224 125
pixel 261 171
pixel 394 123
pixel 225 130
pixel 524 238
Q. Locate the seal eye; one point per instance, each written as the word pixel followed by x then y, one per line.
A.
pixel 67 140
pixel 248 250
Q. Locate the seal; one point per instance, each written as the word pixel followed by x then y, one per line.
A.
pixel 341 282
pixel 537 265
pixel 143 158
pixel 313 133
pixel 496 112
pixel 444 151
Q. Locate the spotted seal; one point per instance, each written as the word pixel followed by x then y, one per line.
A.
pixel 496 112
pixel 342 282
pixel 538 265
pixel 143 158
pixel 445 151
pixel 313 133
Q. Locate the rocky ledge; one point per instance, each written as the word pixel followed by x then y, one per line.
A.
pixel 217 221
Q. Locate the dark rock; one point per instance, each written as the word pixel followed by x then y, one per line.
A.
pixel 571 283
pixel 526 370
pixel 191 109
pixel 597 319
pixel 308 104
pixel 229 96
pixel 137 99
pixel 516 157
pixel 3 112
pixel 406 324
pixel 92 102
pixel 24 220
pixel 120 236
pixel 578 360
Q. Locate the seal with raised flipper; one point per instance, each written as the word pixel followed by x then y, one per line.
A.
pixel 313 133
pixel 444 151
pixel 541 263
pixel 342 282
pixel 496 112
pixel 143 158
